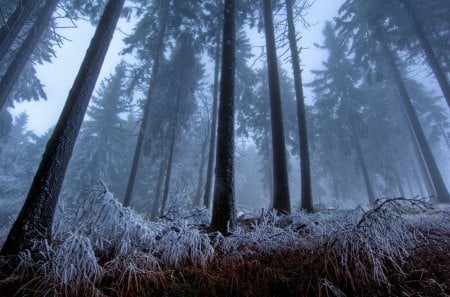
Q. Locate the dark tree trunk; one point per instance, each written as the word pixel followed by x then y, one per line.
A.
pixel 145 116
pixel 281 200
pixel 36 216
pixel 212 141
pixel 26 49
pixel 428 50
pixel 224 212
pixel 168 171
pixel 15 23
pixel 157 197
pixel 198 195
pixel 363 165
pixel 442 194
pixel 306 192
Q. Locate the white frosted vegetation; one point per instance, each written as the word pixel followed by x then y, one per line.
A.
pixel 103 242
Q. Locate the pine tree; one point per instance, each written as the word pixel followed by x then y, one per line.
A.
pixel 16 21
pixel 35 219
pixel 223 212
pixel 306 192
pixel 26 49
pixel 281 200
pixel 99 152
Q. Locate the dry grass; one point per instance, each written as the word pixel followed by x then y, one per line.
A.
pixel 398 248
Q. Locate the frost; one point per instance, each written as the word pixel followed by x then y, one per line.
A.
pixel 75 262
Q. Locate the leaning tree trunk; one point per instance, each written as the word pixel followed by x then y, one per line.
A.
pixel 150 93
pixel 35 219
pixel 26 49
pixel 15 23
pixel 224 212
pixel 428 50
pixel 281 201
pixel 306 192
pixel 212 142
pixel 442 194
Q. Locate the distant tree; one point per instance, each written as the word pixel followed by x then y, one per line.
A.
pixel 281 200
pixel 418 22
pixel 36 216
pixel 26 49
pixel 213 130
pixel 306 192
pixel 16 21
pixel 157 50
pixel 442 194
pixel 100 149
pixel 224 212
pixel 340 100
pixel 181 77
pixel 372 44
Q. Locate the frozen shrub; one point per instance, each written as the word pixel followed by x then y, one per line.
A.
pixel 74 262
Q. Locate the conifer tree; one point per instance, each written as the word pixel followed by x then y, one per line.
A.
pixel 35 219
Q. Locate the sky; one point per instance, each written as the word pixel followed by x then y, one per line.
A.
pixel 58 76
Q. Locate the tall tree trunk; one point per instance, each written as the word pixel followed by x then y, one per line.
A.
pixel 336 187
pixel 306 193
pixel 212 141
pixel 281 200
pixel 26 49
pixel 426 178
pixel 363 165
pixel 410 189
pixel 224 212
pixel 145 116
pixel 36 216
pixel 428 50
pixel 198 195
pixel 168 171
pixel 398 182
pixel 15 23
pixel 157 196
pixel 419 182
pixel 443 133
pixel 442 194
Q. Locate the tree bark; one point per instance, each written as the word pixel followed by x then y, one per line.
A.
pixel 419 183
pixel 168 172
pixel 363 165
pixel 15 23
pixel 145 116
pixel 198 195
pixel 442 194
pixel 428 50
pixel 212 142
pixel 26 49
pixel 306 192
pixel 398 181
pixel 281 200
pixel 224 212
pixel 157 195
pixel 35 219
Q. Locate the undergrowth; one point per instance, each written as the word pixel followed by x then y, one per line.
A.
pixel 399 247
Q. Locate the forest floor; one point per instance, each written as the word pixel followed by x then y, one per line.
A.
pixel 399 247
